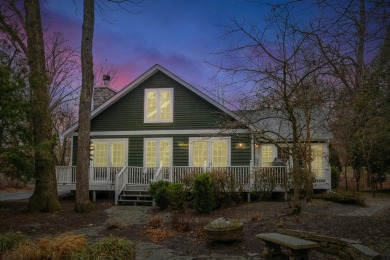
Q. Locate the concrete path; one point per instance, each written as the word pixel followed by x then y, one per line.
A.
pixel 23 195
pixel 374 206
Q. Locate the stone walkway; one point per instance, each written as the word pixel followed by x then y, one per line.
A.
pixel 373 207
pixel 126 216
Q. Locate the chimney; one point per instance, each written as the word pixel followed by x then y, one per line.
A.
pixel 103 93
pixel 106 80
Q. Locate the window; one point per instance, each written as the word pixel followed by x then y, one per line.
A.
pixel 199 153
pixel 266 155
pixel 317 159
pixel 213 152
pixel 157 150
pixel 109 153
pixel 158 105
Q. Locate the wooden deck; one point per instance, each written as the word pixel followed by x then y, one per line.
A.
pixel 249 178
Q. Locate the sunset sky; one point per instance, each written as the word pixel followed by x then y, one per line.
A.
pixel 180 35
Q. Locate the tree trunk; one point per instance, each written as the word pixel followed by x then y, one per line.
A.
pixel 83 203
pixel 346 177
pixel 45 197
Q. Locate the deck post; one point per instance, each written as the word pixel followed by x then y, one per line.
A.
pixel 94 195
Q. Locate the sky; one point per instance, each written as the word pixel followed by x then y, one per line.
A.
pixel 181 35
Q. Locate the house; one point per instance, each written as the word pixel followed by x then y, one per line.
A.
pixel 161 127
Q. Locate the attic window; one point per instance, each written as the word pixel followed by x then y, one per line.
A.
pixel 158 105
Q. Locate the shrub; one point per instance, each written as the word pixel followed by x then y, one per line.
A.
pixel 62 247
pixel 156 221
pixel 204 201
pixel 112 248
pixel 9 240
pixel 227 190
pixel 159 192
pixel 180 221
pixel 342 198
pixel 176 196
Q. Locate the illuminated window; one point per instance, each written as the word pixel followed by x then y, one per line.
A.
pixel 266 155
pixel 213 152
pixel 317 160
pixel 158 150
pixel 108 153
pixel 199 153
pixel 158 105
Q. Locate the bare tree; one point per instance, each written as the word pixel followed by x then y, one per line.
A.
pixel 50 76
pixel 62 69
pixel 45 196
pixel 350 35
pixel 82 203
pixel 275 61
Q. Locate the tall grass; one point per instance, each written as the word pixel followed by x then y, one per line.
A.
pixel 9 240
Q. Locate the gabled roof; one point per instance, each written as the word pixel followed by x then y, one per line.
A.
pixel 153 70
pixel 273 124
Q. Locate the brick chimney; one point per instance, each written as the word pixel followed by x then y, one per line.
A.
pixel 102 93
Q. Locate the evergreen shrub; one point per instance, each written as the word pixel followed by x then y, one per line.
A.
pixel 204 201
pixel 159 192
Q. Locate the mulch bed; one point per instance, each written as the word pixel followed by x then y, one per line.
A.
pixel 320 216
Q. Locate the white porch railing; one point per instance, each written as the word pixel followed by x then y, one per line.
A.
pixel 246 176
pixel 144 175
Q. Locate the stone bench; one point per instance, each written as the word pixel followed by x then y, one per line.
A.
pixel 299 248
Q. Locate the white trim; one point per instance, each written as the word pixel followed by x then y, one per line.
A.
pixel 71 151
pixel 191 140
pixel 140 80
pixel 170 139
pixel 164 132
pixel 158 105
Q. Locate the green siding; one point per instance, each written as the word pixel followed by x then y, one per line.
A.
pixel 180 151
pixel 189 110
pixel 240 155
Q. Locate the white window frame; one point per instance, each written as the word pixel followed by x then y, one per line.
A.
pixel 158 106
pixel 209 147
pixel 320 170
pixel 170 139
pixel 109 142
pixel 274 153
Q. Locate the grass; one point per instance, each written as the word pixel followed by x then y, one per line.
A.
pixel 112 248
pixel 72 246
pixel 9 240
pixel 61 247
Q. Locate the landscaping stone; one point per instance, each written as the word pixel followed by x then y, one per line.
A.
pixel 224 229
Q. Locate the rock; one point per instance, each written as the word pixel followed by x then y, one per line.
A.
pixel 224 229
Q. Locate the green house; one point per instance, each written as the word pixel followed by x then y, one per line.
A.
pixel 161 127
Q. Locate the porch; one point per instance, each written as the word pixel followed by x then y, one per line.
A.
pixel 121 179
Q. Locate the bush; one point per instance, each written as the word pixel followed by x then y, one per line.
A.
pixel 342 198
pixel 9 241
pixel 227 190
pixel 64 246
pixel 176 196
pixel 204 201
pixel 112 248
pixel 159 192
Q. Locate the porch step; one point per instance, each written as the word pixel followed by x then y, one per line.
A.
pixel 136 195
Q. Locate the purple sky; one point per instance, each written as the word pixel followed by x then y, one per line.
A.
pixel 177 34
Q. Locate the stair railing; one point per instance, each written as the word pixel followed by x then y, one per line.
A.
pixel 120 182
pixel 158 175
